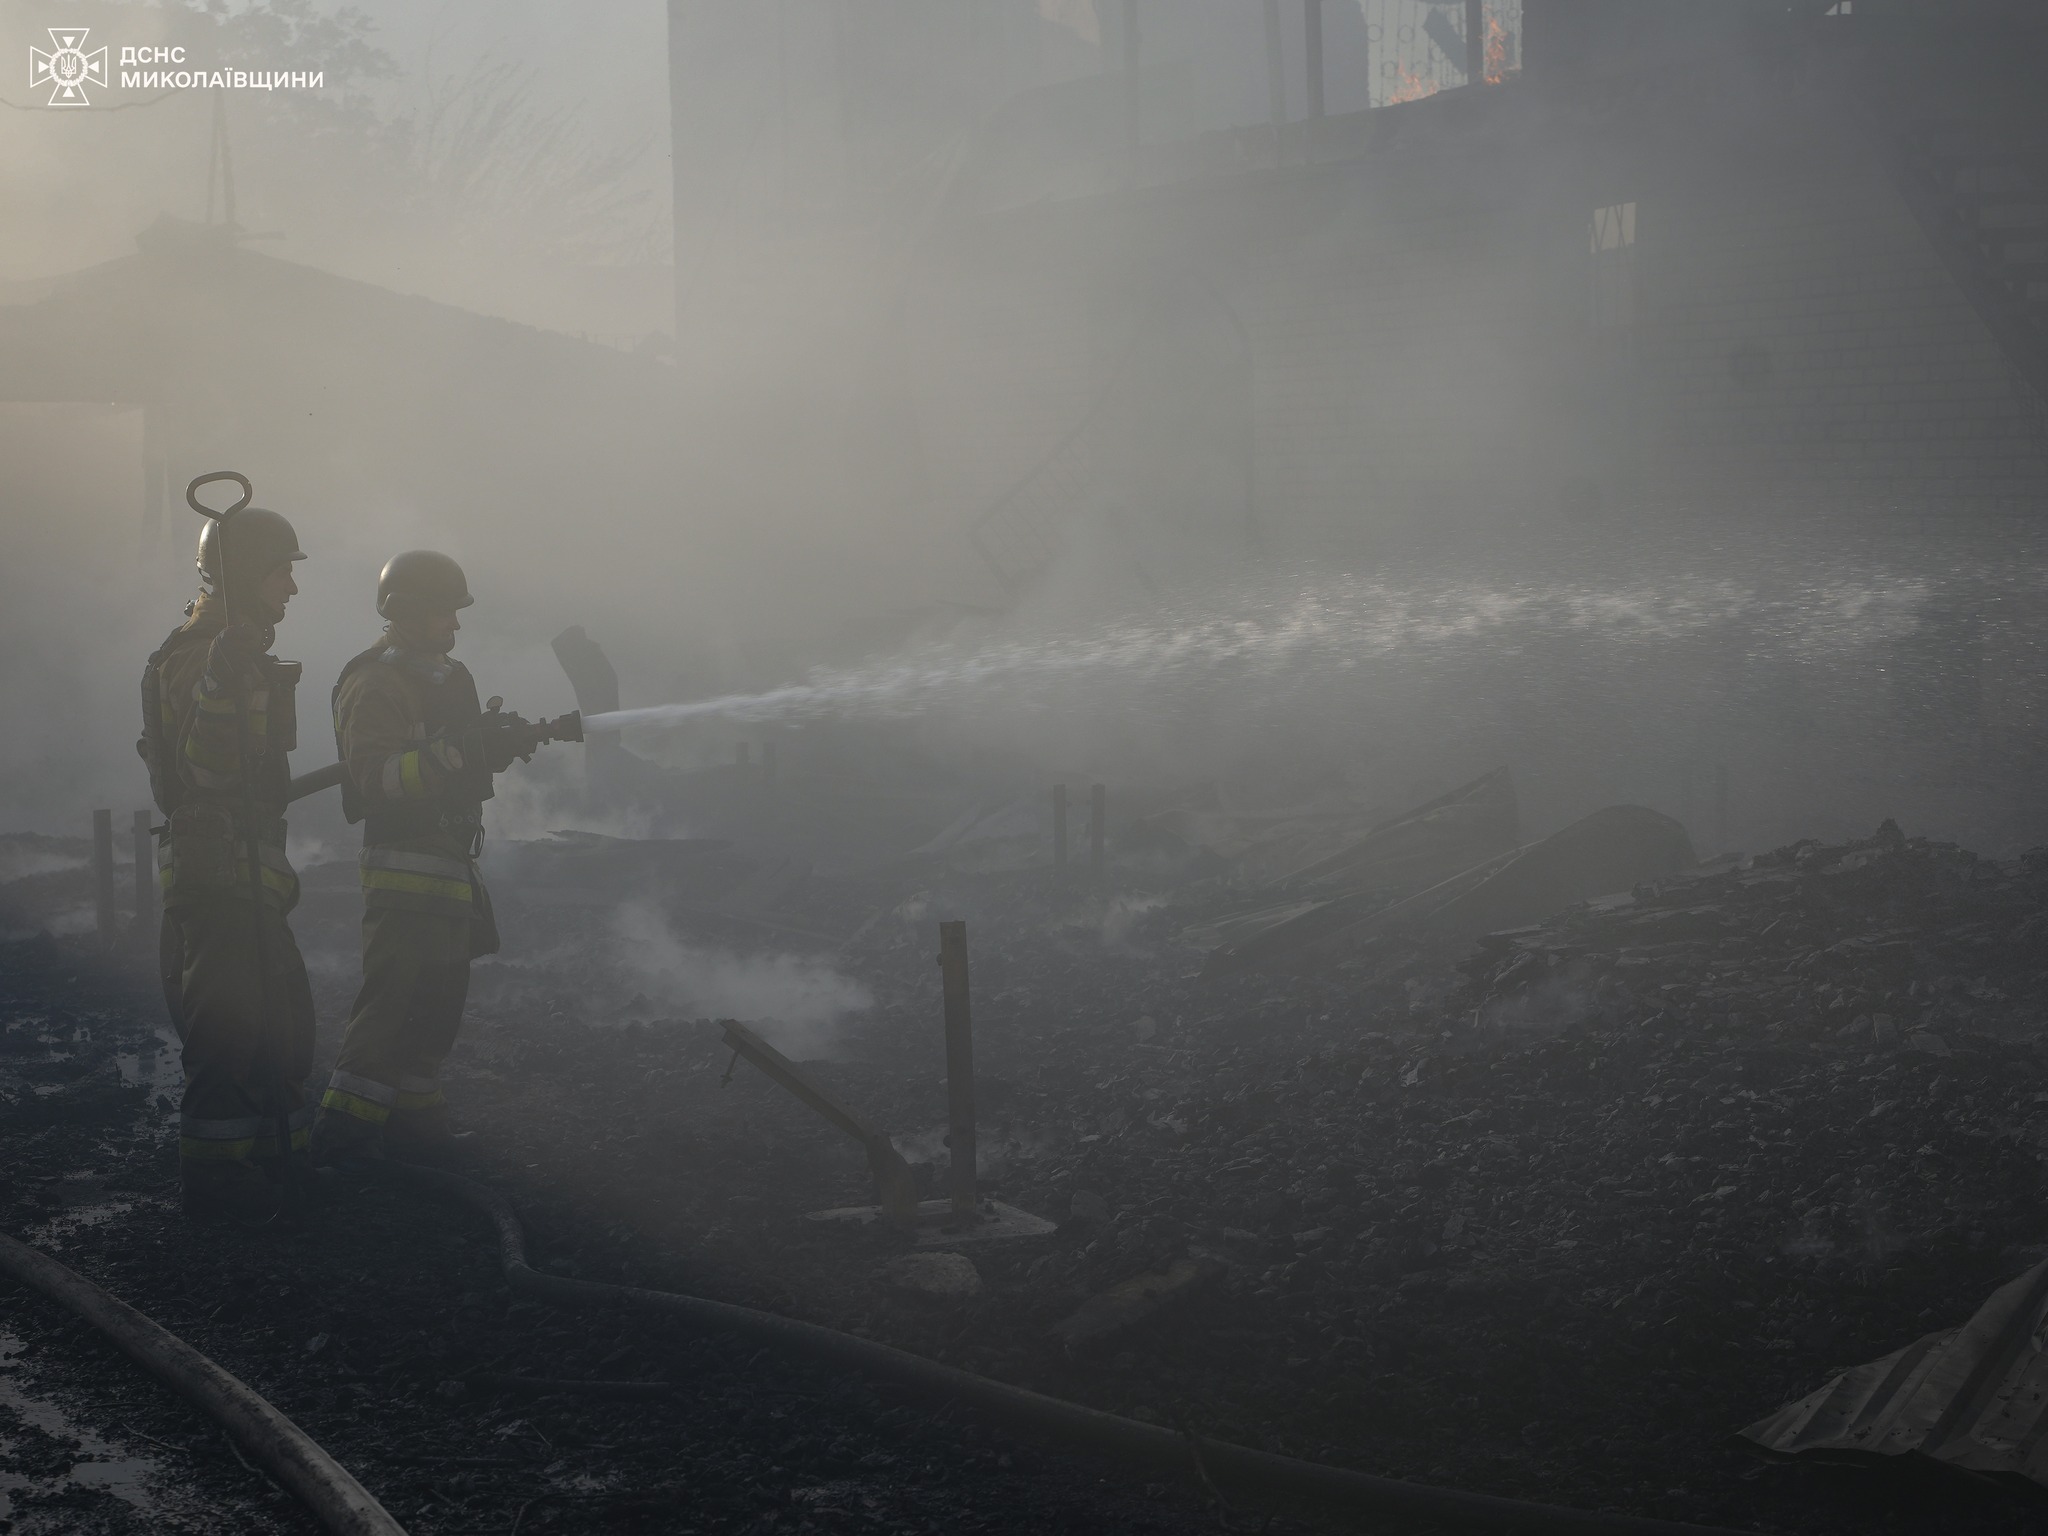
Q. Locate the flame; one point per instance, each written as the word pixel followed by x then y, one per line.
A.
pixel 1496 50
pixel 1412 87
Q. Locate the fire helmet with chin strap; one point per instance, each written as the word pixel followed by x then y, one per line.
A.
pixel 257 541
pixel 421 582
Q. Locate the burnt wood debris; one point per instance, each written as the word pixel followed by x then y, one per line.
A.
pixel 1553 1214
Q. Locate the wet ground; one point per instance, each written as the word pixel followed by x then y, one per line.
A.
pixel 1552 1218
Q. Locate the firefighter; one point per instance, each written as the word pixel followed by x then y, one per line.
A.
pixel 408 726
pixel 218 721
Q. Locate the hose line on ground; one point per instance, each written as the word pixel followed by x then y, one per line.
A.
pixel 1234 1471
pixel 342 1505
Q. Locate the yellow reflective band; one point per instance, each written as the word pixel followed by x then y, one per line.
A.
pixel 281 881
pixel 416 885
pixel 355 1108
pixel 409 775
pixel 202 753
pixel 200 1149
pixel 195 1150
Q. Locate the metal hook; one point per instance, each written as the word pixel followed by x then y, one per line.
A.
pixel 192 494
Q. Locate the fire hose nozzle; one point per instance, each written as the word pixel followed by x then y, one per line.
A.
pixel 567 727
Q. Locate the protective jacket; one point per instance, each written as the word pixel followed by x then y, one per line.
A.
pixel 209 726
pixel 405 723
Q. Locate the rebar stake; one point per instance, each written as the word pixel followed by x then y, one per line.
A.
pixel 103 874
pixel 959 1063
pixel 1098 798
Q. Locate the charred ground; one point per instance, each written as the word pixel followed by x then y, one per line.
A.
pixel 1551 1216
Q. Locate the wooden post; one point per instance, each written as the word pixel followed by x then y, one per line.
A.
pixel 145 871
pixel 103 874
pixel 1475 42
pixel 1312 53
pixel 959 1064
pixel 1097 804
pixel 1059 826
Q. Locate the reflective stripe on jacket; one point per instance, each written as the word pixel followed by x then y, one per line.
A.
pixel 398 716
pixel 422 882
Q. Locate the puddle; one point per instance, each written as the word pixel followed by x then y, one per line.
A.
pixel 156 1069
pixel 84 1201
pixel 95 1464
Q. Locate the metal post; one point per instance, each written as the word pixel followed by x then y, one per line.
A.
pixel 1366 63
pixel 1059 826
pixel 1276 75
pixel 1312 32
pixel 1097 803
pixel 103 874
pixel 145 871
pixel 959 1063
pixel 1475 42
pixel 1131 134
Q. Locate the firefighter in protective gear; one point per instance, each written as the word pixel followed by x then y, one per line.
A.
pixel 218 721
pixel 408 726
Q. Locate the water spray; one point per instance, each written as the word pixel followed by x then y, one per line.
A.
pixel 1311 634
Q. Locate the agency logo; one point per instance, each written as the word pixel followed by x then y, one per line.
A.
pixel 70 69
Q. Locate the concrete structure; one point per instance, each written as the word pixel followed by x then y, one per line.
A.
pixel 1740 259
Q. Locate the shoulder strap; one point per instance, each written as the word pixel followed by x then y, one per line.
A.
pixel 352 807
pixel 153 746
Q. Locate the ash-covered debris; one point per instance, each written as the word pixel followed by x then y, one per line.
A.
pixel 1549 1213
pixel 1554 1212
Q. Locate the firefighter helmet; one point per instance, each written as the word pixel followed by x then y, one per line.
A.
pixel 420 582
pixel 258 542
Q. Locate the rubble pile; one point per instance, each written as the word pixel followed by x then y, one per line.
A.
pixel 1552 1215
pixel 1551 1212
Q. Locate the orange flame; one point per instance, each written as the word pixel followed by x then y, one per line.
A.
pixel 1411 87
pixel 1496 50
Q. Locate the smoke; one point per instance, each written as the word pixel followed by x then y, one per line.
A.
pixel 743 522
pixel 799 1003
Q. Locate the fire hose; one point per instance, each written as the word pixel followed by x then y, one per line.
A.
pixel 342 1505
pixel 1219 1465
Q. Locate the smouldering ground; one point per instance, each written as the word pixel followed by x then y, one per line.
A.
pixel 1551 1218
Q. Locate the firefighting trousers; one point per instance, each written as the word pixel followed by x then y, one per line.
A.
pixel 415 979
pixel 247 1035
